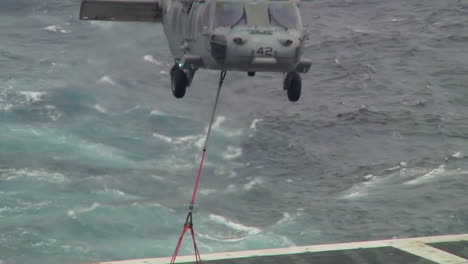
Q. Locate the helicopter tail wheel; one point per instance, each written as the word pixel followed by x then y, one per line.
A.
pixel 178 83
pixel 293 85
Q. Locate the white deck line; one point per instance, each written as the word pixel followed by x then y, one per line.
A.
pixel 414 246
pixel 431 253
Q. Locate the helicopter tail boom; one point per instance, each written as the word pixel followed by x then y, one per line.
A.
pixel 121 10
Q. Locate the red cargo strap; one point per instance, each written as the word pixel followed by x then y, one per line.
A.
pixel 188 221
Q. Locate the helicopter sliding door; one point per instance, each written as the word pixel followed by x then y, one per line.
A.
pixel 191 21
pixel 121 10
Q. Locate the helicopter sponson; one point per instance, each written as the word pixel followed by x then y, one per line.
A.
pixel 229 35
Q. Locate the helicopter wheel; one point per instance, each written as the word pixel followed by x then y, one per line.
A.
pixel 293 85
pixel 178 82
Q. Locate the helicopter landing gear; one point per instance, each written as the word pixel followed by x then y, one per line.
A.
pixel 180 79
pixel 178 83
pixel 293 85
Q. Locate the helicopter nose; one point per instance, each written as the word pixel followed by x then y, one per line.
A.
pixel 258 52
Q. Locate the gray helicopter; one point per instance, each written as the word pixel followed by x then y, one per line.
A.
pixel 229 35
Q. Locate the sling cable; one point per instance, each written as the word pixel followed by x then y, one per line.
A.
pixel 188 221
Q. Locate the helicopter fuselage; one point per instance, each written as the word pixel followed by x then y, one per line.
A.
pixel 235 35
pixel 227 35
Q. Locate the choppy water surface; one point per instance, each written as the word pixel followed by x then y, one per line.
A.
pixel 97 160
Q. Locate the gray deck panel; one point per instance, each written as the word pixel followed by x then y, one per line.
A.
pixel 385 255
pixel 458 248
pixel 445 249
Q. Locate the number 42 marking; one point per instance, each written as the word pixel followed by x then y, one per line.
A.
pixel 265 51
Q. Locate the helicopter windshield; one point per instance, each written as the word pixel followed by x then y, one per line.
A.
pixel 284 14
pixel 229 14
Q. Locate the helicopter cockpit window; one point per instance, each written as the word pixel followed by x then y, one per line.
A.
pixel 284 15
pixel 229 14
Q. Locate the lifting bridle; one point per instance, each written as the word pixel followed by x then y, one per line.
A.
pixel 188 225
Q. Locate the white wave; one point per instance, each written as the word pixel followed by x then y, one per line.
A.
pixel 151 59
pixel 84 209
pixel 57 29
pixel 136 107
pixel 434 174
pixel 394 168
pixel 428 176
pixel 225 171
pixel 40 175
pixel 231 188
pixel 6 107
pixel 54 115
pixel 287 219
pixel 100 108
pixel 361 189
pixel 22 206
pixel 50 107
pixel 218 122
pixel 107 79
pixel 81 249
pixel 236 226
pixel 3 209
pixel 159 178
pixel 72 213
pixel 231 133
pixel 187 140
pixel 231 153
pixel 362 31
pixel 199 142
pixel 164 73
pixel 207 191
pixel 52 112
pixel 457 155
pixel 163 137
pixel 33 97
pixel 354 194
pixel 254 123
pixel 228 240
pixel 217 125
pixel 52 67
pixel 101 151
pixel 152 204
pixel 172 163
pixel 156 113
pixel 256 181
pixel 114 191
pixel 45 243
pixel 286 242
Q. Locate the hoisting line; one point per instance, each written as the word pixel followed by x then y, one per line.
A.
pixel 188 221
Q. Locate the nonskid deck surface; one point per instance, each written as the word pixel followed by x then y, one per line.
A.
pixel 447 249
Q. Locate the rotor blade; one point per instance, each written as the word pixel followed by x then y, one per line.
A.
pixel 121 10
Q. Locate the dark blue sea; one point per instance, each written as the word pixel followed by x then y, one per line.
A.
pixel 98 160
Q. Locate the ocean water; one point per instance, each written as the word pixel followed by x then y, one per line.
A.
pixel 97 159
